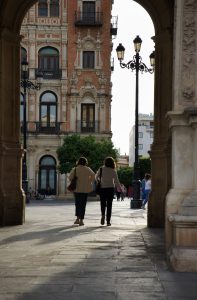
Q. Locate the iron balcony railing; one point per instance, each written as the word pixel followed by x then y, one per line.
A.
pixel 48 74
pixel 43 127
pixel 87 127
pixel 48 128
pixel 88 18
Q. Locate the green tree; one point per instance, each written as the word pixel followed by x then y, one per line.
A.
pixel 125 176
pixel 145 166
pixel 75 146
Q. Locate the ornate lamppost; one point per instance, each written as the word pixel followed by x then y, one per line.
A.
pixel 137 65
pixel 26 85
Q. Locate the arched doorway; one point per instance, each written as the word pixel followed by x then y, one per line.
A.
pixel 166 167
pixel 162 16
pixel 47 181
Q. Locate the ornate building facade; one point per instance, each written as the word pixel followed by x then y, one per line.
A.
pixel 68 46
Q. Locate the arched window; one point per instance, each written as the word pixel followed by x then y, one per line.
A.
pixel 48 111
pixel 42 8
pixel 47 175
pixel 21 107
pixel 48 63
pixel 23 54
pixel 48 59
pixel 54 8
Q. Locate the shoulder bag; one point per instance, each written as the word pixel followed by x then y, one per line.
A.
pixel 73 184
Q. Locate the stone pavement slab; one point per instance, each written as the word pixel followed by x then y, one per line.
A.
pixel 50 258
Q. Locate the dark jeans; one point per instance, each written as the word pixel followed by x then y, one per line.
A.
pixel 80 204
pixel 106 199
pixel 147 192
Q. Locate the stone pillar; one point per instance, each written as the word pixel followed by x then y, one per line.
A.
pixel 160 151
pixel 12 199
pixel 181 201
pixel 62 183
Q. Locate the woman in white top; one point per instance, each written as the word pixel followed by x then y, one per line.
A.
pixel 109 179
pixel 147 189
pixel 85 179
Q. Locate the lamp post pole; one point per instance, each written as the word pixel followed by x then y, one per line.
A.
pixel 25 84
pixel 24 162
pixel 137 65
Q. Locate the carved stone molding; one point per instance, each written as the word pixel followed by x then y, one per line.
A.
pixel 189 49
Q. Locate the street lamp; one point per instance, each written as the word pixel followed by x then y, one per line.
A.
pixel 26 85
pixel 137 65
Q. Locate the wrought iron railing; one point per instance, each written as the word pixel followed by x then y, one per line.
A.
pixel 87 127
pixel 43 127
pixel 48 74
pixel 88 18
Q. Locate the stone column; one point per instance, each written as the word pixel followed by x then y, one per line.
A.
pixel 181 201
pixel 160 151
pixel 62 180
pixel 12 200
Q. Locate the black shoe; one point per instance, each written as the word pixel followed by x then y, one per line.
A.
pixel 108 224
pixel 103 220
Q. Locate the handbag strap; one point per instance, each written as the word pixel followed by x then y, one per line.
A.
pixel 100 175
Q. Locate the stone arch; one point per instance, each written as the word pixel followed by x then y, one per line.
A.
pixel 162 17
pixel 11 18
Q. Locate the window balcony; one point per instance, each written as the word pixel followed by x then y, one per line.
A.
pixel 42 127
pixel 114 26
pixel 87 127
pixel 48 74
pixel 88 18
pixel 48 128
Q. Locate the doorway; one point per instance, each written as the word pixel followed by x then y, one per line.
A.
pixel 47 182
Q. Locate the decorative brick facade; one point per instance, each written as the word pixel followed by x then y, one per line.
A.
pixel 80 84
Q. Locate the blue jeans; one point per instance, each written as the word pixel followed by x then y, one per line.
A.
pixel 147 192
pixel 80 204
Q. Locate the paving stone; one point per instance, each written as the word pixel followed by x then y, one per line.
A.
pixel 49 258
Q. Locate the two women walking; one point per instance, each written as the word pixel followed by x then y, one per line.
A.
pixel 85 182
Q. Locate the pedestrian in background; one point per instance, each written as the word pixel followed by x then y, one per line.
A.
pixel 109 179
pixel 118 192
pixel 143 195
pixel 85 180
pixel 124 192
pixel 147 189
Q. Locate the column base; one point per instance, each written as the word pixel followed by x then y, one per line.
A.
pixel 136 204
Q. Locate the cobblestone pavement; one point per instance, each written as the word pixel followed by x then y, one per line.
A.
pixel 49 258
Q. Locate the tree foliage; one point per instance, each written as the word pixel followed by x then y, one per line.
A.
pixel 145 166
pixel 125 176
pixel 75 146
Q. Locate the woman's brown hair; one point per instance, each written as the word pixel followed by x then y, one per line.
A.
pixel 82 161
pixel 109 162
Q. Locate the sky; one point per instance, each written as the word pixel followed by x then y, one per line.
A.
pixel 133 20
